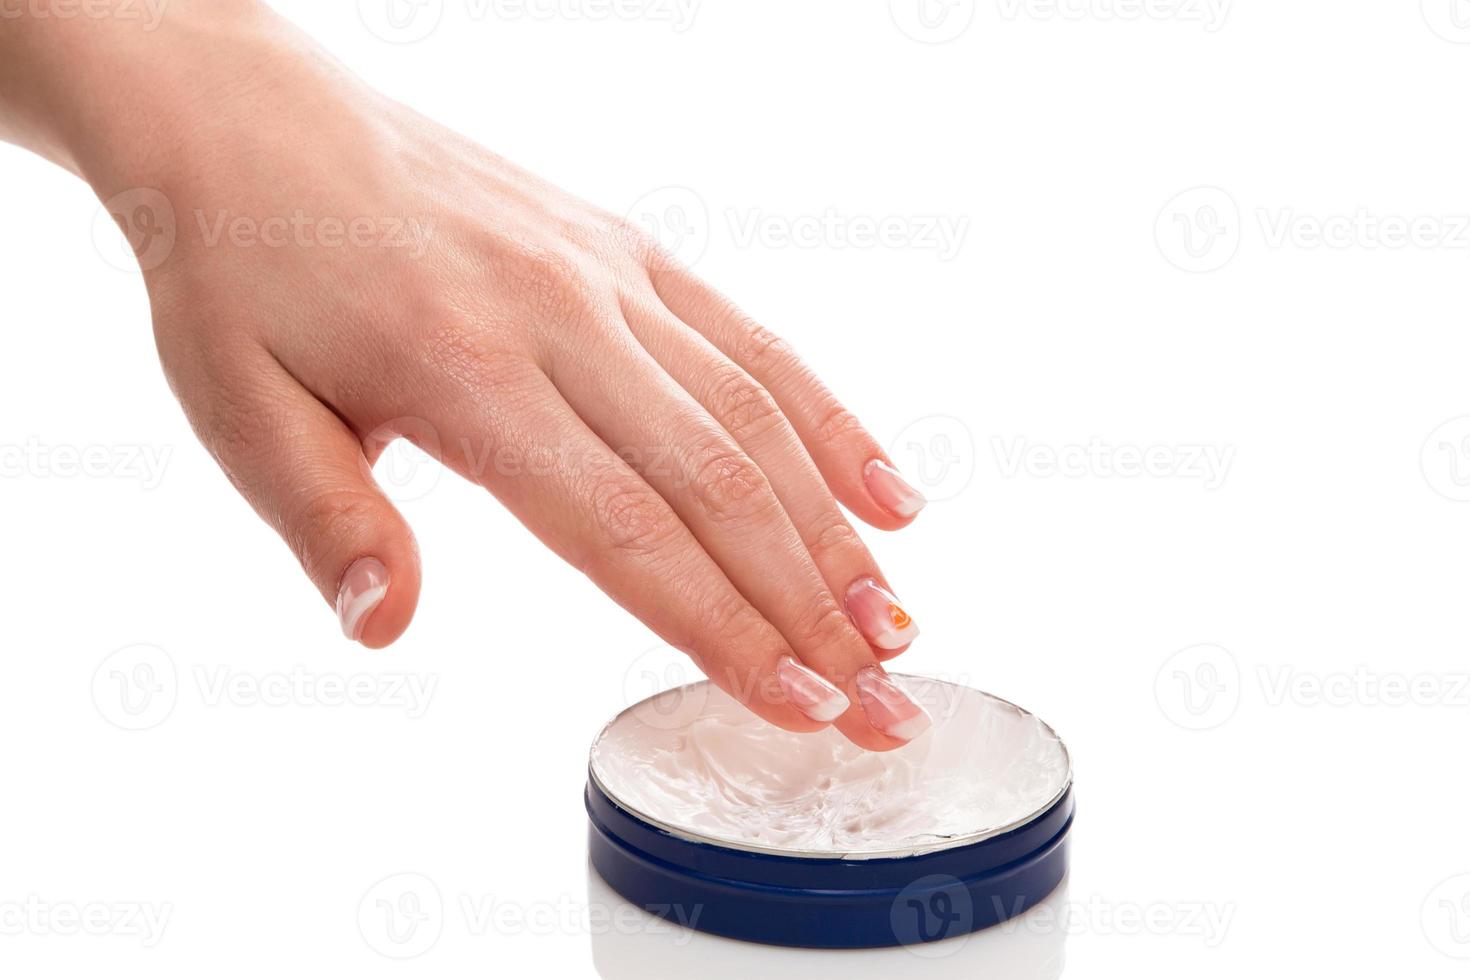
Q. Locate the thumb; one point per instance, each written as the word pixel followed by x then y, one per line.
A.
pixel 304 472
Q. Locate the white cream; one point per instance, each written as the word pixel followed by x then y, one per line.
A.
pixel 699 764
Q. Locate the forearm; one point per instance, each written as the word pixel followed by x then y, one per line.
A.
pixel 132 94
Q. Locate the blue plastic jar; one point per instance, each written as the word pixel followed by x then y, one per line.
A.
pixel 923 892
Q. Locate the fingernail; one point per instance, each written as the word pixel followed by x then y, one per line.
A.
pixel 364 585
pixel 892 491
pixel 816 698
pixel 878 614
pixel 889 710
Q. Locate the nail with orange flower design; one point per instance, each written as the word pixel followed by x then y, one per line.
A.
pixel 880 617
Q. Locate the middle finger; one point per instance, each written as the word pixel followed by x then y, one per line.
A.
pixel 729 505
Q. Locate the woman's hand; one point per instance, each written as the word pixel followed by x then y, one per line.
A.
pixel 345 272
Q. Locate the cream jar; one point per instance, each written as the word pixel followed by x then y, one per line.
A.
pixel 703 813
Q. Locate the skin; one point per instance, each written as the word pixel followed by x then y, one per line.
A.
pixel 633 418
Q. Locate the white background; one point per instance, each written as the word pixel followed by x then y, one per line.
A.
pixel 1273 776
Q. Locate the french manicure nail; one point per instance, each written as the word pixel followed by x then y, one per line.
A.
pixel 892 491
pixel 889 710
pixel 364 585
pixel 812 694
pixel 880 617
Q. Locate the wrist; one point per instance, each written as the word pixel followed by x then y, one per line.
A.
pixel 150 100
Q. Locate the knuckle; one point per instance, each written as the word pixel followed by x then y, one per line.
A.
pixel 731 618
pixel 746 410
pixel 340 515
pixel 825 626
pixel 731 631
pixel 729 487
pixel 634 520
pixel 634 239
pixel 760 349
pixel 550 280
pixel 834 538
pixel 837 423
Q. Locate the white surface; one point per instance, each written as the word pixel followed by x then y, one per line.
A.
pixel 1310 797
pixel 697 762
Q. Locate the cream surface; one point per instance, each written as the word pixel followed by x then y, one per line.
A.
pixel 698 763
